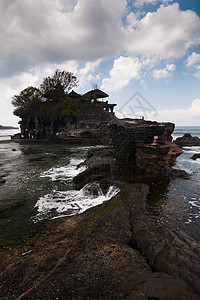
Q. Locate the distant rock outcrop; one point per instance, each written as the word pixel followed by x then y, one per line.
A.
pixel 7 127
pixel 187 140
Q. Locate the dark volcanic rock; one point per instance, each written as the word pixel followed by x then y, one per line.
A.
pixel 196 156
pixel 99 164
pixel 187 140
pixel 145 148
pixel 176 173
pixel 7 127
pixel 93 256
pixel 16 136
pixel 8 204
pixel 94 173
pixel 2 180
pixel 168 250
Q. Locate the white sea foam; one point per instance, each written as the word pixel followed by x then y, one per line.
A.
pixel 5 134
pixel 66 173
pixel 192 149
pixel 65 203
pixel 194 210
pixel 185 162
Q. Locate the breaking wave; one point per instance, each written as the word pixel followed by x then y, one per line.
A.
pixel 66 173
pixel 65 203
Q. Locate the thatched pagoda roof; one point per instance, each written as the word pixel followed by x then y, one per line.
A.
pixel 74 95
pixel 96 93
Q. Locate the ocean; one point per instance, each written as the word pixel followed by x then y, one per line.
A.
pixel 6 134
pixel 181 204
pixel 42 174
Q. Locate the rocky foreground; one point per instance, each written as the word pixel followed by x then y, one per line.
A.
pixel 117 250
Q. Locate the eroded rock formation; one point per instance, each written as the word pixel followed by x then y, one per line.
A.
pixel 145 147
pixel 187 140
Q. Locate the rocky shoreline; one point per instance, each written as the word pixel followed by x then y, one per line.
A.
pixel 117 250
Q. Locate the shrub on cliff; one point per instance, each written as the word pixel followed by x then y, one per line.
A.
pixel 31 101
pixel 25 100
pixel 56 87
pixel 71 106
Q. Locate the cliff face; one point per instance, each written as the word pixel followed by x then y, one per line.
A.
pixel 139 145
pixel 79 118
pixel 145 147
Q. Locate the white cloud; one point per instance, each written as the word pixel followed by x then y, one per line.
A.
pixel 164 73
pixel 197 74
pixel 16 83
pixel 127 68
pixel 170 67
pixel 180 117
pixel 124 69
pixel 153 2
pixel 167 32
pixel 37 39
pixel 195 108
pixel 56 31
pixel 86 74
pixel 143 84
pixel 193 59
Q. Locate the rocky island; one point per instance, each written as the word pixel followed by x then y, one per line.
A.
pixel 187 140
pixel 119 249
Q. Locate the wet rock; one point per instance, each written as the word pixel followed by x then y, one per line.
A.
pixel 9 204
pixel 196 156
pixel 102 156
pixel 99 164
pixel 93 189
pixel 16 136
pixel 2 180
pixel 168 250
pixel 94 256
pixel 187 140
pixel 145 148
pixel 176 173
pixel 93 173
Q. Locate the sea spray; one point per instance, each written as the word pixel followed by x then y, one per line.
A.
pixel 184 162
pixel 65 172
pixel 66 203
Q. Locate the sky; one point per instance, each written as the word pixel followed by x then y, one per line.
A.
pixel 144 53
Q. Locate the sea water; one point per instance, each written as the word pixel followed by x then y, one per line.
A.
pixel 5 134
pixel 181 207
pixel 42 173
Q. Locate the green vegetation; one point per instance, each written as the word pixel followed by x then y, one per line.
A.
pixel 50 100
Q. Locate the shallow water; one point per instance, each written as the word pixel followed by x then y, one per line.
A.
pixel 42 174
pixel 6 134
pixel 181 202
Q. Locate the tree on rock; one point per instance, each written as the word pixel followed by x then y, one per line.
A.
pixel 55 88
pixel 25 100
